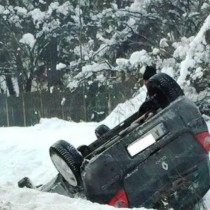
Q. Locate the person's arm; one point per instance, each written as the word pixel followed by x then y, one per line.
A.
pixel 150 105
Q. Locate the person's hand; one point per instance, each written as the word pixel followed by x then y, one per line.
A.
pixel 150 105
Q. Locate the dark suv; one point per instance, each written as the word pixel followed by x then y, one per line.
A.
pixel 159 162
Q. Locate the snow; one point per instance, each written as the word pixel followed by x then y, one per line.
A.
pixel 163 43
pixel 42 2
pixel 53 6
pixel 137 5
pixel 28 39
pixel 73 84
pixel 88 70
pixel 3 83
pixel 169 71
pixel 124 110
pixel 24 152
pixel 60 66
pixel 95 67
pixel 182 47
pixel 63 101
pixel 25 199
pixel 1 9
pixel 21 11
pixel 194 52
pixel 205 6
pixel 37 16
pixel 140 58
pixel 155 51
pixel 121 62
pixel 64 8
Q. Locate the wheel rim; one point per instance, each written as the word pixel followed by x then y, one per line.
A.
pixel 64 169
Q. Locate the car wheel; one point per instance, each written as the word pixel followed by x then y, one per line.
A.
pixel 67 161
pixel 165 88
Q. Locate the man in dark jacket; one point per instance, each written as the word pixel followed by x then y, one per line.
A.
pixel 149 72
pixel 161 91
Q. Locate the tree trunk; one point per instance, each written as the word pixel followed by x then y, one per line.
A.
pixel 24 109
pixel 19 72
pixel 10 85
pixel 29 83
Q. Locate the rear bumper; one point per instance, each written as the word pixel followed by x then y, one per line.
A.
pixel 192 188
pixel 180 191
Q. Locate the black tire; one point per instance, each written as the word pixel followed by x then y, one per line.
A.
pixel 67 161
pixel 165 88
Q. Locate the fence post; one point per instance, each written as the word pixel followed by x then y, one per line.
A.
pixel 109 101
pixel 24 109
pixel 85 102
pixel 41 105
pixel 7 112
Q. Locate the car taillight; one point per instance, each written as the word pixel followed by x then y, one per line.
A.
pixel 120 200
pixel 204 140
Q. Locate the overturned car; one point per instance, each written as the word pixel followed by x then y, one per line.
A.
pixel 155 161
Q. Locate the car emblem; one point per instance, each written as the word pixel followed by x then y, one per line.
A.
pixel 164 165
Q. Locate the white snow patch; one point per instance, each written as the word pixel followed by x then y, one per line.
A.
pixel 60 66
pixel 2 9
pixel 28 39
pixel 21 11
pixel 140 58
pixel 122 62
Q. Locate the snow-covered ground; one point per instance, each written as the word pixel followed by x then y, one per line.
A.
pixel 25 152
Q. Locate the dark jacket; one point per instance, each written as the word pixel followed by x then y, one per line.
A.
pixel 162 90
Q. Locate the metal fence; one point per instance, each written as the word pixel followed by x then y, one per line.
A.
pixel 92 103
